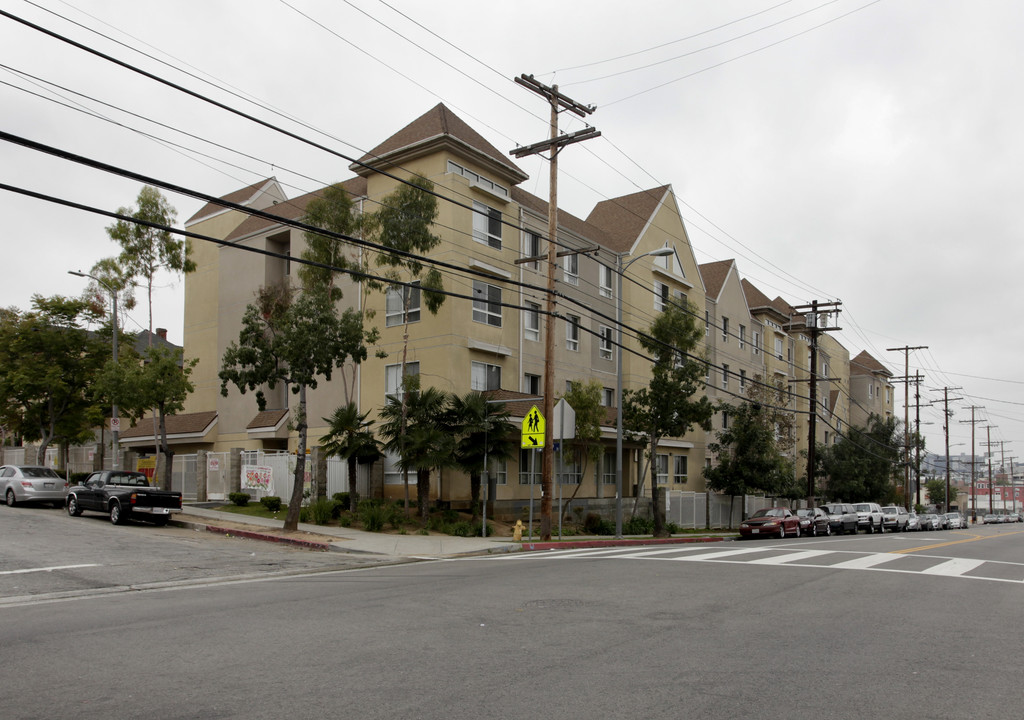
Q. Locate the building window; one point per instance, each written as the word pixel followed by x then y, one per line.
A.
pixel 532 249
pixel 485 377
pixel 870 391
pixel 525 463
pixel 707 322
pixel 743 380
pixel 570 474
pixel 402 305
pixel 531 321
pixel 778 347
pixel 680 471
pixel 486 225
pixel 531 384
pixel 725 420
pixel 608 469
pixel 605 280
pixel 393 474
pixel 478 180
pixel 571 269
pixel 486 303
pixel 680 297
pixel 725 329
pixel 743 336
pixel 660 296
pixel 572 332
pixel 500 473
pixel 661 469
pixel 606 342
pixel 757 343
pixel 608 397
pixel 725 376
pixel 392 373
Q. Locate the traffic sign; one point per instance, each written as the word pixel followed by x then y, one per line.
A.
pixel 533 429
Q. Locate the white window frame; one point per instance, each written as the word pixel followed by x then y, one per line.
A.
pixel 743 380
pixel 661 295
pixel 778 347
pixel 393 374
pixel 605 281
pixel 661 469
pixel 725 329
pixel 607 347
pixel 486 310
pixel 608 397
pixel 680 475
pixel 487 225
pixel 531 248
pixel 757 343
pixel 480 374
pixel 608 468
pixel 725 376
pixel 531 321
pixel 743 336
pixel 572 332
pixel 395 312
pixel 571 269
pixel 530 379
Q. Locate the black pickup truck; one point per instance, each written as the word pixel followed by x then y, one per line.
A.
pixel 124 495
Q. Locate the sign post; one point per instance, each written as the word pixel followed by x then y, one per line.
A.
pixel 533 439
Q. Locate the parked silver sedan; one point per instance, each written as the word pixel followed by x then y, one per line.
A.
pixel 29 483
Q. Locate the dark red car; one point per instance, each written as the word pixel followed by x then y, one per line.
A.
pixel 771 522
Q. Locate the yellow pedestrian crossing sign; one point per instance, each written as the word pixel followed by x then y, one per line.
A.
pixel 533 429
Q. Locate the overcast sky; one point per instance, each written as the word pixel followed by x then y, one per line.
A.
pixel 868 152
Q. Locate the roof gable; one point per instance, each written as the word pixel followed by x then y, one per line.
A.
pixel 623 219
pixel 259 195
pixel 866 364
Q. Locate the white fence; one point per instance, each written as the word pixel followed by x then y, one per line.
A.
pixel 691 509
pixel 337 477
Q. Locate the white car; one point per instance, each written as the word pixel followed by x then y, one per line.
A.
pixel 954 521
pixel 30 483
pixel 869 517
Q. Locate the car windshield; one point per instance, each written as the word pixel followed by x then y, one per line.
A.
pixel 862 508
pixel 767 512
pixel 889 510
pixel 39 472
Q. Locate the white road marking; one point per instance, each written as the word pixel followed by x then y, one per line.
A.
pixel 46 569
pixel 790 557
pixel 956 566
pixel 866 561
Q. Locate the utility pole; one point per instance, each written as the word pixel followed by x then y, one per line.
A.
pixel 1013 488
pixel 974 499
pixel 988 445
pixel 906 415
pixel 553 145
pixel 811 324
pixel 917 437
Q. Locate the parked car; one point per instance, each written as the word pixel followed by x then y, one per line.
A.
pixel 814 522
pixel 954 521
pixel 943 521
pixel 913 521
pixel 31 483
pixel 869 517
pixel 775 521
pixel 124 496
pixel 930 521
pixel 842 517
pixel 895 518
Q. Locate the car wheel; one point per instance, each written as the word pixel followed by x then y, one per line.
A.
pixel 73 509
pixel 782 532
pixel 115 513
pixel 828 530
pixel 11 500
pixel 814 530
pixel 881 528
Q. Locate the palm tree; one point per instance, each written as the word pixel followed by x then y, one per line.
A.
pixel 350 438
pixel 483 435
pixel 418 435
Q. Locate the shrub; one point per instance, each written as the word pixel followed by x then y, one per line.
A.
pixel 345 521
pixel 342 499
pixel 321 511
pixel 461 529
pixel 592 524
pixel 304 515
pixel 672 528
pixel 638 526
pixel 241 499
pixel 373 515
pixel 271 502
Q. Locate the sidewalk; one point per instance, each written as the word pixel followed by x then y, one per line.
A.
pixel 348 540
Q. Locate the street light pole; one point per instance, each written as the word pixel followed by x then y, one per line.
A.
pixel 114 418
pixel 620 271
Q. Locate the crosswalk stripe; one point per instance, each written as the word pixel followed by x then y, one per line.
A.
pixel 726 554
pixel 790 557
pixel 866 561
pixel 956 566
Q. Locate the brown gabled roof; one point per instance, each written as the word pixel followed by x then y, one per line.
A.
pixel 267 419
pixel 623 218
pixel 758 302
pixel 516 403
pixel 239 197
pixel 422 136
pixel 185 424
pixel 565 220
pixel 866 364
pixel 293 209
pixel 714 275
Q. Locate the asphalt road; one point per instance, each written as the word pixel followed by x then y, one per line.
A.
pixel 796 628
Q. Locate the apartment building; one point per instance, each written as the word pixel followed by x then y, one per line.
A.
pixel 871 389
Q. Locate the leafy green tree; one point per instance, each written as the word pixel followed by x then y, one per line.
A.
pixel 293 339
pixel 666 408
pixel 410 429
pixel 859 468
pixel 48 363
pixel 160 381
pixel 147 250
pixel 586 447
pixel 749 458
pixel 937 493
pixel 483 435
pixel 350 438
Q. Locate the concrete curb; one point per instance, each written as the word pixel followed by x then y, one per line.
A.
pixel 252 535
pixel 624 542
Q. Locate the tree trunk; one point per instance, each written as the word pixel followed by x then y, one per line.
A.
pixel 474 494
pixel 423 491
pixel 658 505
pixel 291 520
pixel 165 449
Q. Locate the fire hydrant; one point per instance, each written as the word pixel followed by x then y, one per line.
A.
pixel 517 531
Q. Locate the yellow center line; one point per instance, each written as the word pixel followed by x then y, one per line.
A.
pixel 973 538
